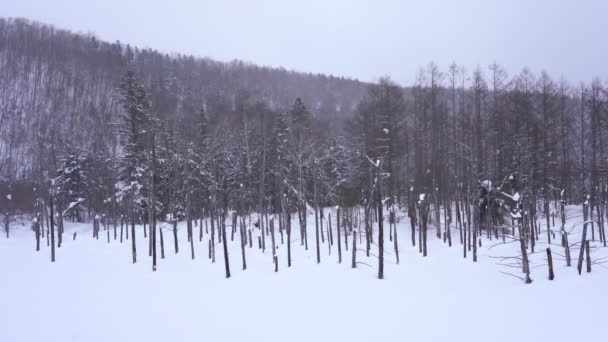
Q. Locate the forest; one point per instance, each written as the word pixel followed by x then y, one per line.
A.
pixel 120 137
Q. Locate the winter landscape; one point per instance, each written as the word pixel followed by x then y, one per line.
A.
pixel 167 196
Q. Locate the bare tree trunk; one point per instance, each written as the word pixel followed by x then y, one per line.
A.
pixel 475 245
pixel 587 252
pixel 565 242
pixel 524 255
pixel 550 263
pixel 133 245
pixel 189 226
pixel 52 222
pixel 288 240
pixel 317 225
pixel 380 229
pixel 583 238
pixel 345 232
pixel 162 243
pixel 394 223
pixel 274 250
pixel 424 227
pixel 37 231
pixel 175 243
pixel 225 244
pixel 338 232
pixel 243 243
pixel 354 263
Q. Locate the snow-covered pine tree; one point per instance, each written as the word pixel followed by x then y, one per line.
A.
pixel 134 131
pixel 72 180
pixel 278 156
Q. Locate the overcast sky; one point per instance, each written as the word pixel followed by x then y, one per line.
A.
pixel 362 39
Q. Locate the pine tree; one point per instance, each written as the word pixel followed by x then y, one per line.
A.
pixel 72 180
pixel 134 130
pixel 278 156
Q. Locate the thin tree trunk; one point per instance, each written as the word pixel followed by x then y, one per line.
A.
pixel 225 244
pixel 175 243
pixel 550 263
pixel 133 245
pixel 338 232
pixel 354 263
pixel 52 222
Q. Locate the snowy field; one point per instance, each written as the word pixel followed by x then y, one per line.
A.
pixel 94 292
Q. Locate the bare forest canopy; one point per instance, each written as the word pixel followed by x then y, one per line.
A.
pixel 119 128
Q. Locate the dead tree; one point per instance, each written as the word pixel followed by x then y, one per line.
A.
pixel 317 223
pixel 354 263
pixel 588 257
pixel 550 263
pixel 423 209
pixel 162 243
pixel 565 242
pixel 524 254
pixel 583 237
pixel 243 242
pixel 272 236
pixel 380 227
pixel 225 244
pixel 36 227
pixel 175 243
pixel 52 223
pixel 288 239
pixel 133 245
pixel 393 222
pixel 338 232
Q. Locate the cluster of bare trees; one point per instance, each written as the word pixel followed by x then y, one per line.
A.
pixel 123 136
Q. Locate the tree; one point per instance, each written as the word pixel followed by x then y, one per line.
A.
pixel 72 180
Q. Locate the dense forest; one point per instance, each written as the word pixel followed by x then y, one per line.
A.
pixel 58 88
pixel 138 136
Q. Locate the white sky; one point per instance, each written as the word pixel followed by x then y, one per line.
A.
pixel 363 39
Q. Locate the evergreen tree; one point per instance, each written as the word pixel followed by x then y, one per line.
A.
pixel 136 123
pixel 279 163
pixel 72 180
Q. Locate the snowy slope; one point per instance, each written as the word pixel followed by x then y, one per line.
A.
pixel 94 293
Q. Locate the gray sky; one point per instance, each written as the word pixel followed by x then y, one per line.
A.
pixel 363 39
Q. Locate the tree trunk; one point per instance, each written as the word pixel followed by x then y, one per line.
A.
pixel 133 245
pixel 225 244
pixel 354 263
pixel 175 243
pixel 550 263
pixel 317 225
pixel 338 232
pixel 52 220
pixel 583 239
pixel 162 244
pixel 380 228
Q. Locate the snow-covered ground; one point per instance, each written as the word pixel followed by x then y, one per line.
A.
pixel 94 292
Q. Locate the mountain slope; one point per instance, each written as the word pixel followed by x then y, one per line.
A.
pixel 58 86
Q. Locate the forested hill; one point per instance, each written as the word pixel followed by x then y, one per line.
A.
pixel 59 87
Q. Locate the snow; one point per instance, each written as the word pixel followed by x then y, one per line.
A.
pixel 487 184
pixel 9 197
pixel 94 293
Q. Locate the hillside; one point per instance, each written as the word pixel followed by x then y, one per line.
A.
pixel 56 84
